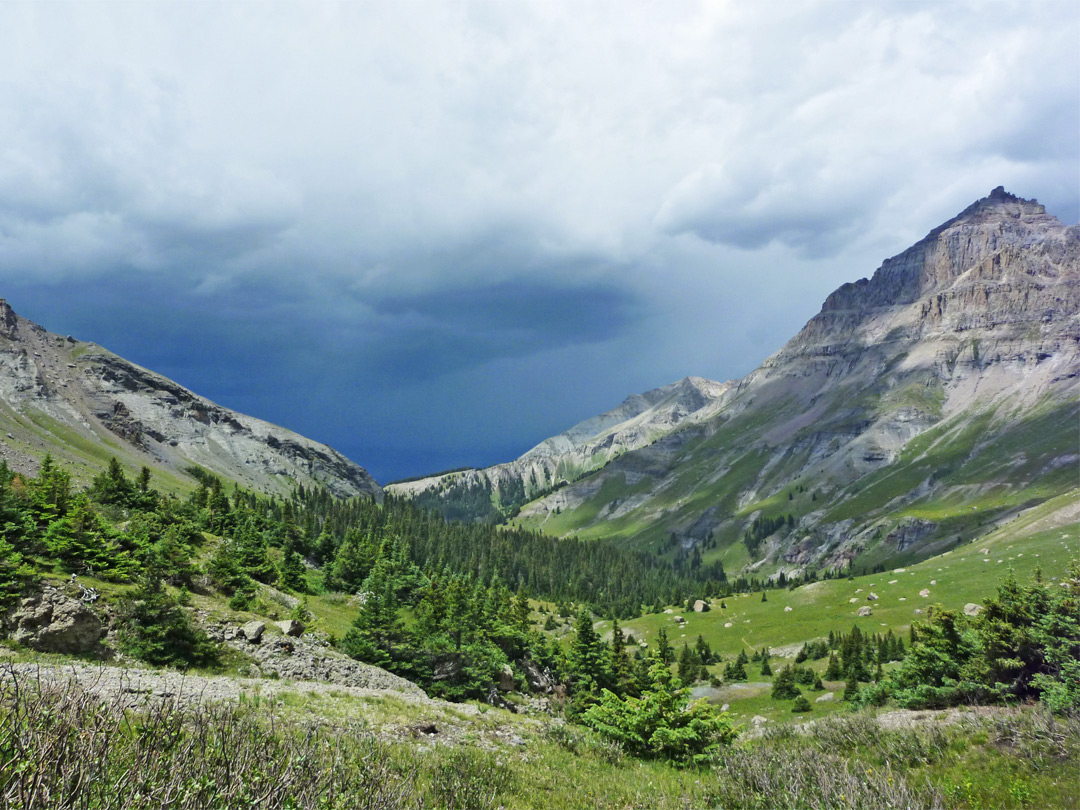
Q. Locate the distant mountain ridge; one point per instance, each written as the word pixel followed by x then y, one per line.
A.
pixel 493 492
pixel 83 404
pixel 921 406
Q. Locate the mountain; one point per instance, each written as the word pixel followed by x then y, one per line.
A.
pixel 494 492
pixel 84 405
pixel 918 408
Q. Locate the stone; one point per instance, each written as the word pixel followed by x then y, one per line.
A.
pixel 538 678
pixel 787 609
pixel 924 593
pixel 903 598
pixel 918 612
pixel 725 707
pixel 865 610
pixel 758 720
pixel 505 681
pixel 669 611
pixel 893 581
pixel 52 621
pixel 700 605
pixel 871 597
pixel 853 600
pixel 825 698
pixel 679 619
pixel 933 582
pixel 728 624
pixel 971 609
pixel 984 551
pixel 253 631
pixel 291 627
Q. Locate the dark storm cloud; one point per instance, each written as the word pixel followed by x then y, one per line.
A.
pixel 421 231
pixel 442 331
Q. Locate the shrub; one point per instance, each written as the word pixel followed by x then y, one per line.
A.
pixel 662 723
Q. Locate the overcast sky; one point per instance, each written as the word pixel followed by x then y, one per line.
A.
pixel 433 233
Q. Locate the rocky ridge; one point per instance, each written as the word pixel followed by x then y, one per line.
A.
pixel 637 422
pixel 81 402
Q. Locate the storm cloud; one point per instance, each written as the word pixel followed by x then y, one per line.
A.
pixel 433 233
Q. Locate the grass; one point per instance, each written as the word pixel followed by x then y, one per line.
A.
pixel 66 748
pixel 955 578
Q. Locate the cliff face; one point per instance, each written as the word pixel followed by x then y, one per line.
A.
pixel 944 385
pixel 83 403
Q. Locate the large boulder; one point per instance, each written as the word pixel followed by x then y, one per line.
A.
pixel 291 627
pixel 505 681
pixel 52 621
pixel 865 610
pixel 253 631
pixel 971 609
pixel 538 678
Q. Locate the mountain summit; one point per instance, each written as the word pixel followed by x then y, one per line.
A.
pixel 84 404
pixel 919 407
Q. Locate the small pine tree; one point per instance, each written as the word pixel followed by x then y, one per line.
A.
pixel 801 704
pixel 784 687
pixel 851 688
pixel 766 670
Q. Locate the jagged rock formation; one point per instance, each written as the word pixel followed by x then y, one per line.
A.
pixel 52 621
pixel 641 419
pixel 918 407
pixel 84 404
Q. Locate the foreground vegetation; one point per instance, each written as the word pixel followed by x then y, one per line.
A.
pixel 61 747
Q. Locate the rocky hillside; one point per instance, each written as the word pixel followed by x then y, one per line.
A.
pixel 920 407
pixel 495 492
pixel 84 404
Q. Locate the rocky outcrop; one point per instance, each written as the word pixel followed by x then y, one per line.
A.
pixel 308 658
pixel 75 393
pixel 52 621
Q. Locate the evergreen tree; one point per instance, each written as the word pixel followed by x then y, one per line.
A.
pixel 783 685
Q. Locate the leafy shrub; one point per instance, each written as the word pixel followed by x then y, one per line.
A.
pixel 662 723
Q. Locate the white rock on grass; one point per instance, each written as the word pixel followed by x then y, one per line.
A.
pixel 924 593
pixel 787 609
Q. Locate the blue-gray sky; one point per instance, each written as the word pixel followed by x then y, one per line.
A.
pixel 434 233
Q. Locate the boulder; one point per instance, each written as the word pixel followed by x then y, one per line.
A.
pixel 825 698
pixel 758 720
pixel 725 707
pixel 680 619
pixel 700 606
pixel 865 610
pixel 853 600
pixel 505 681
pixel 253 631
pixel 971 609
pixel 728 624
pixel 291 627
pixel 538 678
pixel 871 597
pixel 787 609
pixel 52 621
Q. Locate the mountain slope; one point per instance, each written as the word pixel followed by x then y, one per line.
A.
pixel 922 406
pixel 493 492
pixel 84 404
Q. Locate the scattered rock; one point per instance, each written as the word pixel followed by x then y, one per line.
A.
pixel 505 681
pixel 679 619
pixel 853 600
pixel 933 582
pixel 291 627
pixel 971 609
pixel 893 581
pixel 871 597
pixel 725 707
pixel 924 593
pixel 825 698
pixel 984 551
pixel 903 598
pixel 758 720
pixel 728 624
pixel 865 610
pixel 253 631
pixel 918 612
pixel 787 609
pixel 52 621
